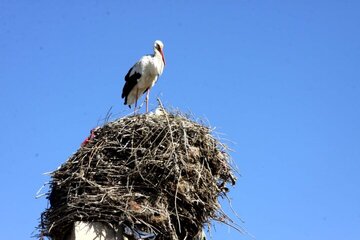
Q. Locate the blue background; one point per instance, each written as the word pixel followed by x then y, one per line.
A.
pixel 278 79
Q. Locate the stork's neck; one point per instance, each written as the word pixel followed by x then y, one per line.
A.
pixel 157 54
pixel 159 62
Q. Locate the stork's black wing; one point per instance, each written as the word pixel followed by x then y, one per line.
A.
pixel 131 80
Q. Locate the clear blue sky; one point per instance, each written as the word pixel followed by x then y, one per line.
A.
pixel 281 79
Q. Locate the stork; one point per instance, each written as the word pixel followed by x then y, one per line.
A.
pixel 143 76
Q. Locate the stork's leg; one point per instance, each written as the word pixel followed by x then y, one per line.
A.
pixel 136 98
pixel 147 100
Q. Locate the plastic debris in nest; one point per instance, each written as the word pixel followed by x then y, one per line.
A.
pixel 159 174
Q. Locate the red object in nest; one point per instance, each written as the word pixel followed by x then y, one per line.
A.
pixel 92 135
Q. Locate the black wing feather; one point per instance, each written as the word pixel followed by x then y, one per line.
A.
pixel 130 82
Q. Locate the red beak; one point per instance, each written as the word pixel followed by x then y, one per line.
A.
pixel 163 58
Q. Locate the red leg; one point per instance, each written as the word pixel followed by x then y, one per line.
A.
pixel 136 98
pixel 147 101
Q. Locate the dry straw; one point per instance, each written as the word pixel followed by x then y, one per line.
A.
pixel 160 172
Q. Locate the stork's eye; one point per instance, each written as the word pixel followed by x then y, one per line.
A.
pixel 158 47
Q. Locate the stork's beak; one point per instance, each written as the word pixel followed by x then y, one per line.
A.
pixel 163 58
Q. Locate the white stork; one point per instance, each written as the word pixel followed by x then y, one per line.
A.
pixel 143 75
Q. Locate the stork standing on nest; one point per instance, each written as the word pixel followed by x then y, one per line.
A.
pixel 143 76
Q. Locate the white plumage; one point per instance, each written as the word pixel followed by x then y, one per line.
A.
pixel 143 75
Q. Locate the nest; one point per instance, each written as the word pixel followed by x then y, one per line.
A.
pixel 162 173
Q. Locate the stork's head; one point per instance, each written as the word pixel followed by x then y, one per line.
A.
pixel 159 46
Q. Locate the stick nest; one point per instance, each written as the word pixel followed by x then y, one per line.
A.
pixel 162 173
